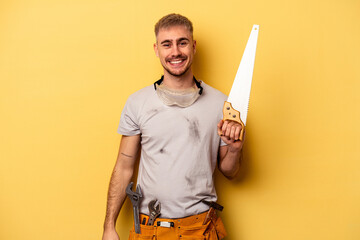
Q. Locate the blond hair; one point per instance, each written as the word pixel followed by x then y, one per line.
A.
pixel 171 20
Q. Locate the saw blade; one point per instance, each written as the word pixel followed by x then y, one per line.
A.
pixel 240 92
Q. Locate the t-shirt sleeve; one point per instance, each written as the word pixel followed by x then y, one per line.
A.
pixel 129 124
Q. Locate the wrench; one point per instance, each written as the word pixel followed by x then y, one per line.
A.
pixel 135 198
pixel 154 209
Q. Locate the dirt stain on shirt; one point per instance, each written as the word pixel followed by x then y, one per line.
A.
pixel 194 129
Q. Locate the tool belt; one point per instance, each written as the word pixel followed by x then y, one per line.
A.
pixel 204 226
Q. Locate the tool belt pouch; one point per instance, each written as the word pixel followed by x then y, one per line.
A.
pixel 213 230
pixel 216 230
pixel 147 232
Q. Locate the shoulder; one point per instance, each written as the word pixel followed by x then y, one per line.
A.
pixel 137 100
pixel 141 95
pixel 213 93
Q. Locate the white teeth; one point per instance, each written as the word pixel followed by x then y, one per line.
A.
pixel 175 62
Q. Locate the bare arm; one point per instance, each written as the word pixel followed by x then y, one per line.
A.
pixel 120 178
pixel 230 155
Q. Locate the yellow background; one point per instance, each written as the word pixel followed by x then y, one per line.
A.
pixel 67 68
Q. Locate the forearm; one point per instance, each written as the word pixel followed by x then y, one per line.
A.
pixel 230 155
pixel 120 178
pixel 116 195
pixel 229 165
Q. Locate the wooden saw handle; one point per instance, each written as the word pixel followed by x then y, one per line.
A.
pixel 230 114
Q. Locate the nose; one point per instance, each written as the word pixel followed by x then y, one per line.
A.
pixel 176 51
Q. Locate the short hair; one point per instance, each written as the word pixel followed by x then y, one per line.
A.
pixel 171 20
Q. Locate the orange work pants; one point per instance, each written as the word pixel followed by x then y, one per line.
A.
pixel 182 228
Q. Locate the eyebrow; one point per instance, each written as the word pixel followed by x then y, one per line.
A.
pixel 182 39
pixel 165 41
pixel 177 40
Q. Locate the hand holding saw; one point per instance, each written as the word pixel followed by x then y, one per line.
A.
pixel 236 106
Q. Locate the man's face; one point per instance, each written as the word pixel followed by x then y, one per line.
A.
pixel 175 48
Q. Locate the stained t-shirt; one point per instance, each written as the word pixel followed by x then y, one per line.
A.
pixel 179 149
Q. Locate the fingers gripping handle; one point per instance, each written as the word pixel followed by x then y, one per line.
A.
pixel 230 114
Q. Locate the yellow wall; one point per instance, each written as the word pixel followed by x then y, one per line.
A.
pixel 67 68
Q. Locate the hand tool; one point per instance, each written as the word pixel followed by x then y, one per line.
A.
pixel 154 210
pixel 236 106
pixel 135 198
pixel 213 205
pixel 211 213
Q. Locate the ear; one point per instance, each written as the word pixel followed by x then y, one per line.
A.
pixel 156 50
pixel 194 46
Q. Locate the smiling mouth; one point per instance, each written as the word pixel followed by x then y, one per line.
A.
pixel 177 62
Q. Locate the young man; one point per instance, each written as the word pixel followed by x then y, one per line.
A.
pixel 176 124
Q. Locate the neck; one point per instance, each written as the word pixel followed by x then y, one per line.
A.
pixel 179 82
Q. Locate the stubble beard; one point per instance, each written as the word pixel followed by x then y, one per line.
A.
pixel 177 74
pixel 172 73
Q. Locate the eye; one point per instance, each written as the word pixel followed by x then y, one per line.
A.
pixel 183 43
pixel 166 44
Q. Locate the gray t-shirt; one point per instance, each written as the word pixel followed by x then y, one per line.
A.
pixel 179 149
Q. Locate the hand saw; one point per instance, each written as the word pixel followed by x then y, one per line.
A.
pixel 236 106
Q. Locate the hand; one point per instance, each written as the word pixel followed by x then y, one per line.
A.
pixel 229 132
pixel 110 235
